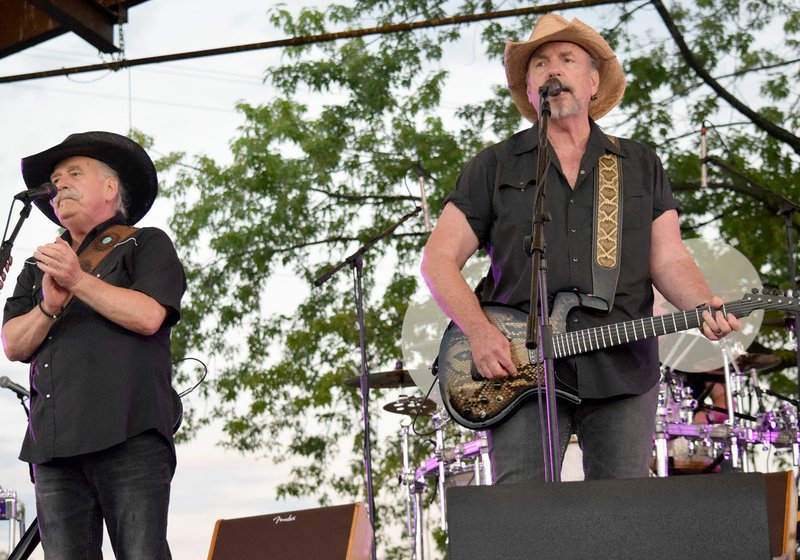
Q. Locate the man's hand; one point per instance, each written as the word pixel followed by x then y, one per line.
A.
pixel 717 326
pixel 60 262
pixel 62 270
pixel 491 352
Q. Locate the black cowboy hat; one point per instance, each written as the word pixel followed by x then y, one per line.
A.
pixel 134 167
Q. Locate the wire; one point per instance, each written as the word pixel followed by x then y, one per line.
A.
pixel 202 378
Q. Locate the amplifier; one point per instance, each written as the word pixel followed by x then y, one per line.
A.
pixel 731 516
pixel 335 533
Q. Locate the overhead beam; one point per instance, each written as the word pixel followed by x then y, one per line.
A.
pixel 311 39
pixel 22 25
pixel 25 23
pixel 86 18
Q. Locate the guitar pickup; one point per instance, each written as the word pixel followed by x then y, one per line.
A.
pixel 473 371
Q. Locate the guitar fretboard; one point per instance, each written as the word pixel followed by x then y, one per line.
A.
pixel 597 338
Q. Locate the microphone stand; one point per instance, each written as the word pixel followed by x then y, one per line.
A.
pixel 788 209
pixel 31 538
pixel 539 342
pixel 8 244
pixel 356 262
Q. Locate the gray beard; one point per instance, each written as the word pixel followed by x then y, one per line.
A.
pixel 569 109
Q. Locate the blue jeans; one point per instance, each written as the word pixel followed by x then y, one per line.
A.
pixel 127 485
pixel 615 435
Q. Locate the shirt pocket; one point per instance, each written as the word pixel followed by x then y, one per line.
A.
pixel 514 201
pixel 115 273
pixel 634 216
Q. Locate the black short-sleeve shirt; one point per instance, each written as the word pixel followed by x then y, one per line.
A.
pixel 94 384
pixel 496 190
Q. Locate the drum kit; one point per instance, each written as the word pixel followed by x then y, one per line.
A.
pixel 459 464
pixel 691 436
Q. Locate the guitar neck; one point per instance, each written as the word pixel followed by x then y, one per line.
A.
pixel 596 338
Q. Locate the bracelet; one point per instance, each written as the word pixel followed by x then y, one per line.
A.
pixel 48 315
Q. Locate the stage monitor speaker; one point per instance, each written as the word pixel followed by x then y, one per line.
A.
pixel 335 533
pixel 730 516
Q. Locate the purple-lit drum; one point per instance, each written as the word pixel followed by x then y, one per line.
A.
pixel 464 464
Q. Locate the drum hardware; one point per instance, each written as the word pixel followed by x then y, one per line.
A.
pixel 411 406
pixel 461 464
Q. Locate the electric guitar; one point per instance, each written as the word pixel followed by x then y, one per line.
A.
pixel 478 403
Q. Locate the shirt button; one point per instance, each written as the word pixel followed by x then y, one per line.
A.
pixel 573 230
pixel 47 396
pixel 574 259
pixel 583 172
pixel 47 365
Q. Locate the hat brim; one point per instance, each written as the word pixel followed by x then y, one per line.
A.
pixel 553 28
pixel 131 162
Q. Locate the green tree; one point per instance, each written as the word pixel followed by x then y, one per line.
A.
pixel 312 180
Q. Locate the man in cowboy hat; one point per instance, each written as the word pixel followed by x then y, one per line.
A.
pixel 92 314
pixel 491 208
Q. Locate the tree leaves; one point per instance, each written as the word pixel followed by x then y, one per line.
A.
pixel 334 158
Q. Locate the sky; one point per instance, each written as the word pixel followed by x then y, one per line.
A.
pixel 185 106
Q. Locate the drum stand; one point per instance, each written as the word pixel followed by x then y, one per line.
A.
pixel 733 402
pixel 414 490
pixel 445 462
pixel 682 395
pixel 415 487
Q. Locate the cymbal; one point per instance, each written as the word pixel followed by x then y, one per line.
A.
pixel 729 274
pixel 394 378
pixel 786 320
pixel 762 363
pixel 412 406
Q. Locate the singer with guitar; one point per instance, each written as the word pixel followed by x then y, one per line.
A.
pixel 611 234
pixel 92 313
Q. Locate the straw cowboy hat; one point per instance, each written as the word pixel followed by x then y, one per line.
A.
pixel 552 27
pixel 134 167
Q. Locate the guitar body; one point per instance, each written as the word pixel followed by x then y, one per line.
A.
pixel 478 403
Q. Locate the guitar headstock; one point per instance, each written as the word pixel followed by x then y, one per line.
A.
pixel 771 299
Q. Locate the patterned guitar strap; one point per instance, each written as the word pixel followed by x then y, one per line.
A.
pixel 607 226
pixel 91 257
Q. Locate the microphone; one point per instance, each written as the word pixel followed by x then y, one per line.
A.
pixel 757 388
pixel 18 389
pixel 426 213
pixel 45 191
pixel 703 157
pixel 551 87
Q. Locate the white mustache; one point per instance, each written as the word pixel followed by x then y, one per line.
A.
pixel 66 193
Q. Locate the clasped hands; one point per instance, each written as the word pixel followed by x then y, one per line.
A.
pixel 62 272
